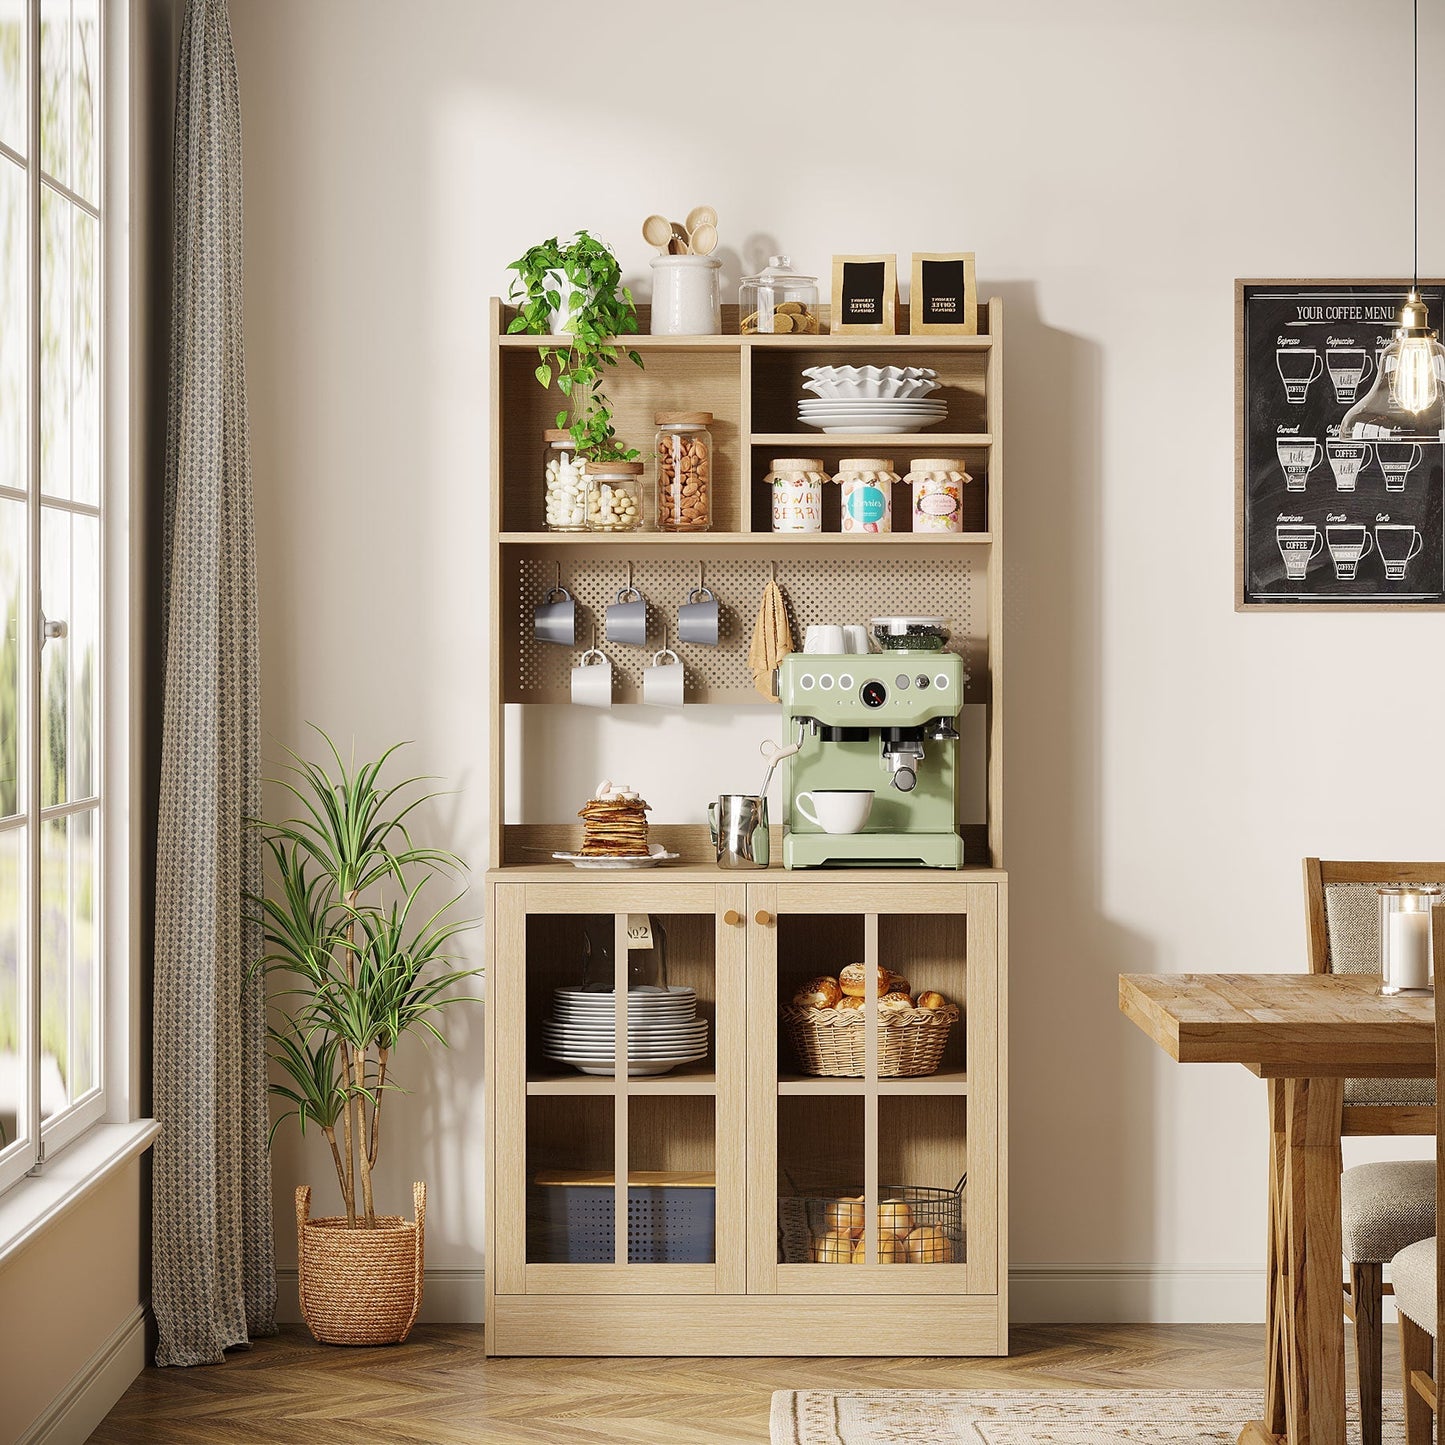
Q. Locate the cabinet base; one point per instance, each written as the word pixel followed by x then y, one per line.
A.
pixel 872 850
pixel 776 1325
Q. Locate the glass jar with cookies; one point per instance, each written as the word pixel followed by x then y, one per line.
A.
pixel 779 300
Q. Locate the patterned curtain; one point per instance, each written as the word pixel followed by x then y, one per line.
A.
pixel 213 1272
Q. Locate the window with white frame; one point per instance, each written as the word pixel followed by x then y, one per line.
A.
pixel 52 516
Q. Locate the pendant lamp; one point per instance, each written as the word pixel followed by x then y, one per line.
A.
pixel 1407 400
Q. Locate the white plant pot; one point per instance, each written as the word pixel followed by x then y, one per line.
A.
pixel 557 281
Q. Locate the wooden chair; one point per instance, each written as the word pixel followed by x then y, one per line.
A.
pixel 1384 1207
pixel 1419 1270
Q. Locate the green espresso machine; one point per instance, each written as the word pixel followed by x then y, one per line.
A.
pixel 879 722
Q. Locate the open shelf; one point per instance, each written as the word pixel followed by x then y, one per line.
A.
pixel 698 1078
pixel 919 442
pixel 945 1081
pixel 624 541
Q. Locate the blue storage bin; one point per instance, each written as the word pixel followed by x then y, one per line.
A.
pixel 667 1223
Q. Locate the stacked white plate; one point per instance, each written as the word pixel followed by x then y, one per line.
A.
pixel 871 383
pixel 865 416
pixel 663 1030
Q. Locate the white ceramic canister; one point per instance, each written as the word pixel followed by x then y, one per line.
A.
pixel 797 484
pixel 938 484
pixel 867 490
pixel 686 296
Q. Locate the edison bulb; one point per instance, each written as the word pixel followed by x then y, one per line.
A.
pixel 1415 384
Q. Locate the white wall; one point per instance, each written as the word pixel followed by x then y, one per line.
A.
pixel 1115 166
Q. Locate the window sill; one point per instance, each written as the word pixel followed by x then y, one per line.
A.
pixel 34 1204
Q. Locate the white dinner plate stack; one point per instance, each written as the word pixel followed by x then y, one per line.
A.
pixel 663 1030
pixel 861 399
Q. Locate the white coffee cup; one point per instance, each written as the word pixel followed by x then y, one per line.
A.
pixel 662 682
pixel 855 637
pixel 836 811
pixel 825 638
pixel 592 679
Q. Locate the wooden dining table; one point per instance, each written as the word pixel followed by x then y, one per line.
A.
pixel 1305 1034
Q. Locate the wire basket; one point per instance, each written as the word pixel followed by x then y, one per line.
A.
pixel 916 1225
pixel 829 1042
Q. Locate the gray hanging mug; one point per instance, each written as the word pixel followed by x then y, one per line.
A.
pixel 627 619
pixel 554 618
pixel 698 621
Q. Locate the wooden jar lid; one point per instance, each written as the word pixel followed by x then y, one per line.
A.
pixel 684 418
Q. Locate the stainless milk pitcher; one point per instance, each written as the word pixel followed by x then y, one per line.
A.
pixel 738 823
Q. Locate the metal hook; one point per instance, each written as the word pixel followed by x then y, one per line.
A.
pixel 700 576
pixel 774 566
pixel 629 576
pixel 556 575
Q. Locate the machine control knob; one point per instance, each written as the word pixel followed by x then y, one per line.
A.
pixel 845 683
pixel 923 679
pixel 806 682
pixel 905 780
pixel 874 694
pixel 901 682
pixel 940 681
pixel 825 681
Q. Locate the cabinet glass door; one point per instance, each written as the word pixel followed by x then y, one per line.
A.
pixel 875 1117
pixel 660 968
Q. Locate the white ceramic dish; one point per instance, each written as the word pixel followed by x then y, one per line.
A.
pixel 878 385
pixel 896 425
pixel 607 1068
pixel 656 853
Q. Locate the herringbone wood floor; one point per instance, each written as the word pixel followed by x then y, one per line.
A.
pixel 437 1389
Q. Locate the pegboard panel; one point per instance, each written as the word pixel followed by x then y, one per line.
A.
pixel 818 588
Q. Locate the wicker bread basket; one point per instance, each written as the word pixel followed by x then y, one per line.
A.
pixel 829 1041
pixel 360 1286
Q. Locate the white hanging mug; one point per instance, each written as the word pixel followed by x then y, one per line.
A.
pixel 592 679
pixel 663 682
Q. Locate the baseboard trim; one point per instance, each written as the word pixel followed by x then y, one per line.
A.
pixel 1038 1294
pixel 99 1383
pixel 1062 1294
pixel 449 1297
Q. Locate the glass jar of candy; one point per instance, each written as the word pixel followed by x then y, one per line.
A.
pixel 938 484
pixel 797 484
pixel 867 490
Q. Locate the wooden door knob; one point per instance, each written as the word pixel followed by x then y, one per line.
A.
pixel 762 918
pixel 732 917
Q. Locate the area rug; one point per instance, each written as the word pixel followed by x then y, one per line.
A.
pixel 1027 1417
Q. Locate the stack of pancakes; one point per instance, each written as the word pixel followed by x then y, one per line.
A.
pixel 614 827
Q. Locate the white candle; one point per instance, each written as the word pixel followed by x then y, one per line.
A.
pixel 1410 950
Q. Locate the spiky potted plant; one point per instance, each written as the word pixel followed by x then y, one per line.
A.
pixel 357 965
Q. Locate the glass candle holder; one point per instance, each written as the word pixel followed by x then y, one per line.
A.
pixel 1407 963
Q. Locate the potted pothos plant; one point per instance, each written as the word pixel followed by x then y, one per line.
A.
pixel 574 290
pixel 358 965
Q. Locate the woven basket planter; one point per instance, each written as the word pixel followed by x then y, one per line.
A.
pixel 829 1041
pixel 360 1286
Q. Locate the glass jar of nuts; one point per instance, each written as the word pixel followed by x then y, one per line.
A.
pixel 684 471
pixel 778 299
pixel 564 484
pixel 614 496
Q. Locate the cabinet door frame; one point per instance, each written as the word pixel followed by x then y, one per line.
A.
pixel 507 1267
pixel 984 1197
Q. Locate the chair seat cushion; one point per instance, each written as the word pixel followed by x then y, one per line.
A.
pixel 1384 1207
pixel 1420 1092
pixel 1413 1274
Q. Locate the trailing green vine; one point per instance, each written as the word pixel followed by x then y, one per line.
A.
pixel 600 310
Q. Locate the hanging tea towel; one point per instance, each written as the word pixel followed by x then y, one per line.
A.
pixel 772 640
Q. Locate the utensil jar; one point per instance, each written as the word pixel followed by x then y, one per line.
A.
pixel 738 823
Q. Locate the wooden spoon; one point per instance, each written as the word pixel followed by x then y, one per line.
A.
pixel 657 231
pixel 704 239
pixel 679 245
pixel 700 216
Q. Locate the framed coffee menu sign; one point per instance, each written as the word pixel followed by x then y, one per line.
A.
pixel 1320 522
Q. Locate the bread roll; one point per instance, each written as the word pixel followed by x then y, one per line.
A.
pixel 834 1248
pixel 898 984
pixel 894 1003
pixel 818 993
pixel 891 1249
pixel 928 1244
pixel 845 1216
pixel 850 1001
pixel 853 979
pixel 930 999
pixel 895 1215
